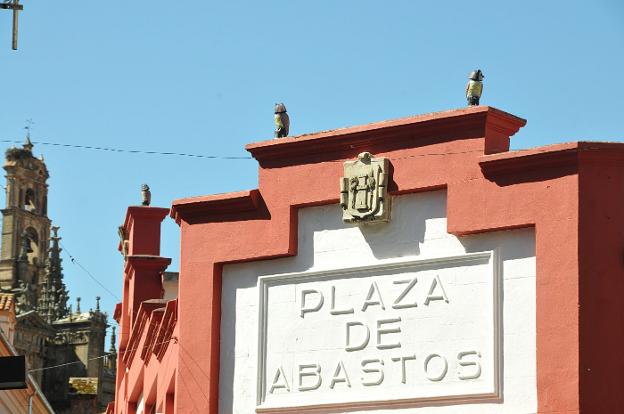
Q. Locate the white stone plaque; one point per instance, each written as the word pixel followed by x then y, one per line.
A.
pixel 402 334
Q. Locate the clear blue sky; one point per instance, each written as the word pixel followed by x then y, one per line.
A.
pixel 202 77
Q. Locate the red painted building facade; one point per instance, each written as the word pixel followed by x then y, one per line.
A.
pixel 185 355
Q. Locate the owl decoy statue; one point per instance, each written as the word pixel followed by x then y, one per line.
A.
pixel 282 121
pixel 474 88
pixel 146 195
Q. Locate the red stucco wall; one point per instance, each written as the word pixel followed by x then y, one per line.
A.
pixel 570 193
pixel 148 352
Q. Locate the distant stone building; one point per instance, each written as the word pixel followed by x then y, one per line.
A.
pixel 17 400
pixel 48 331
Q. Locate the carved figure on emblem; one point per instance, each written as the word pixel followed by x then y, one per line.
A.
pixel 364 190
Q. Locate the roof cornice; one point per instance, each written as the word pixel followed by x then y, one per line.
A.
pixel 386 135
pixel 564 155
pixel 216 207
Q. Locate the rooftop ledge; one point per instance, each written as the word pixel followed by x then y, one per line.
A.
pixel 554 155
pixel 398 133
pixel 494 125
pixel 480 119
pixel 217 206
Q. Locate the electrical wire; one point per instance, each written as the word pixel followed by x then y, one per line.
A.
pixel 221 157
pixel 75 261
pixel 131 151
pixel 173 338
pixel 182 154
pixel 68 363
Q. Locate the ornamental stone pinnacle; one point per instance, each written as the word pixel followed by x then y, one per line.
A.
pixel 364 190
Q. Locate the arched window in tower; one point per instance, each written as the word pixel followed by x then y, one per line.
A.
pixel 29 200
pixel 33 239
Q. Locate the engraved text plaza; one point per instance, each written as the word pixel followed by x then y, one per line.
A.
pixel 390 300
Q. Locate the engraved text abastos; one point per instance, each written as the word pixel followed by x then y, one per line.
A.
pixel 413 331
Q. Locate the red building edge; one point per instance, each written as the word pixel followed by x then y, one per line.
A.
pixel 147 323
pixel 572 194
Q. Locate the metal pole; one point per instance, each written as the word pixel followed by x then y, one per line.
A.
pixel 15 12
pixel 30 404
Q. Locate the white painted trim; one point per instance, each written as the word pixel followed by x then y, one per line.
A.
pixel 495 264
pixel 140 405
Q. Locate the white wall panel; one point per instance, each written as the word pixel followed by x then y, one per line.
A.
pixel 276 358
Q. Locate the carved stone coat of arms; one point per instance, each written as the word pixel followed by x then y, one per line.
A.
pixel 364 190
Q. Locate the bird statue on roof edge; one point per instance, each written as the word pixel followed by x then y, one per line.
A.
pixel 474 88
pixel 282 121
pixel 146 195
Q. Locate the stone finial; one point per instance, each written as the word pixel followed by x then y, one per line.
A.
pixel 113 340
pixel 146 195
pixel 55 230
pixel 78 304
pixel 97 303
pixel 28 145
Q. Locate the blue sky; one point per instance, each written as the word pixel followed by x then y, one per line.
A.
pixel 202 77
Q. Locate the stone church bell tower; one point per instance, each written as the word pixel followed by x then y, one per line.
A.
pixel 48 332
pixel 25 225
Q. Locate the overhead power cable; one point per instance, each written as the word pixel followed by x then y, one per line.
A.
pixel 132 151
pixel 77 263
pixel 173 338
pixel 69 363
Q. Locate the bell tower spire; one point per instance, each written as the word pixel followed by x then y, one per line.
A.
pixel 53 295
pixel 25 224
pixel 28 145
pixel 111 359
